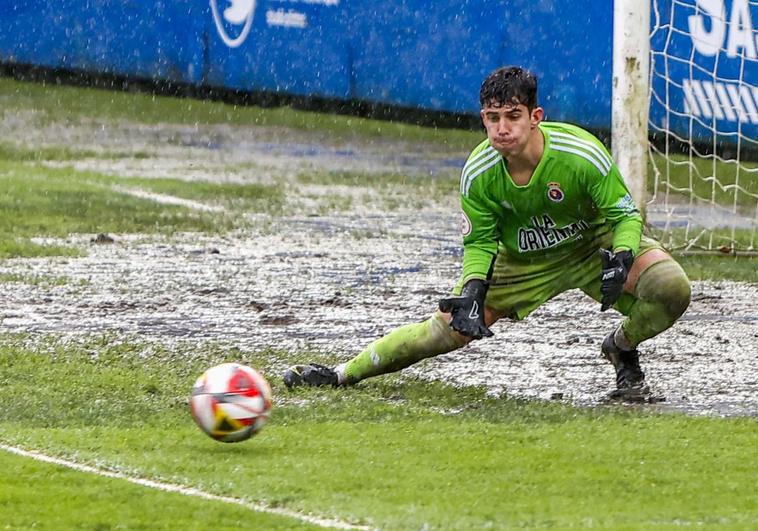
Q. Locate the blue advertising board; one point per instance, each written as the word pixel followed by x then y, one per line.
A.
pixel 705 70
pixel 291 46
pixel 156 40
pixel 435 54
pixel 417 53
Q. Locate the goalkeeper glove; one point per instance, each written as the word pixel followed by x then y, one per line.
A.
pixel 468 310
pixel 615 270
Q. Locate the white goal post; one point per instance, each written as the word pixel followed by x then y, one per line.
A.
pixel 685 118
pixel 630 103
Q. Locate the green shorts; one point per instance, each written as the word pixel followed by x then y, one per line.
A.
pixel 518 286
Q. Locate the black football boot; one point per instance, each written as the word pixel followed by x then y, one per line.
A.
pixel 311 374
pixel 630 380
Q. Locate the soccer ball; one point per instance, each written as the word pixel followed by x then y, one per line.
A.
pixel 230 402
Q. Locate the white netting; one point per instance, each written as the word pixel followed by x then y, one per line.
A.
pixel 704 123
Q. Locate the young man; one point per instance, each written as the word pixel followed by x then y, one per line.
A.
pixel 545 210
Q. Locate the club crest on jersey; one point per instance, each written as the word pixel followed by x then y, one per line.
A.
pixel 554 192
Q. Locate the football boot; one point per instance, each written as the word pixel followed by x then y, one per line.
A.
pixel 630 380
pixel 311 374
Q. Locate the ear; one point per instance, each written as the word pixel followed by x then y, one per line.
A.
pixel 538 113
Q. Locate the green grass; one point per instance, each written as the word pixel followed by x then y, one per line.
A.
pixel 719 267
pixel 251 197
pixel 37 280
pixel 14 247
pixel 37 495
pixel 11 152
pixel 722 241
pixel 36 200
pixel 690 175
pixel 63 103
pixel 393 453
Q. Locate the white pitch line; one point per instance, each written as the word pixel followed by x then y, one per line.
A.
pixel 168 199
pixel 187 491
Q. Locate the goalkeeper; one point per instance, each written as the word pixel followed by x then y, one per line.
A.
pixel 544 210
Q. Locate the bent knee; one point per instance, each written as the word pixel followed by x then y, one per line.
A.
pixel 440 326
pixel 490 316
pixel 666 283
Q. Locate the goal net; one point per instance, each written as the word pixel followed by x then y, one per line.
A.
pixel 702 189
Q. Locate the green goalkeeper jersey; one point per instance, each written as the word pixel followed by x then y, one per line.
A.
pixel 576 193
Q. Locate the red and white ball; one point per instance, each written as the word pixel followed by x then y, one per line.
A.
pixel 230 402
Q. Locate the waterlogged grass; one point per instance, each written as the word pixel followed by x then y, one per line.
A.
pixel 253 196
pixel 36 200
pixel 37 495
pixel 393 453
pixel 38 280
pixel 12 246
pixel 392 191
pixel 11 152
pixel 418 184
pixel 380 180
pixel 63 103
pixel 250 197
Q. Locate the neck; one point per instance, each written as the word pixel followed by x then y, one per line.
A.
pixel 527 160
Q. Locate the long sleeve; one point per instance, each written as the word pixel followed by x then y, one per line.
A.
pixel 480 235
pixel 613 200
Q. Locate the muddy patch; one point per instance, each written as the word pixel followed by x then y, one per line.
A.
pixel 314 286
pixel 334 282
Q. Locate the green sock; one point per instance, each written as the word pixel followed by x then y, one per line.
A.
pixel 402 347
pixel 663 294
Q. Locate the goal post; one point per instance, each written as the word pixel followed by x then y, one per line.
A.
pixel 630 90
pixel 685 119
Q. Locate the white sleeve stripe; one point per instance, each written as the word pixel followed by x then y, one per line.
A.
pixel 589 146
pixel 584 155
pixel 474 161
pixel 473 170
pixel 603 162
pixel 485 153
pixel 569 139
pixel 477 174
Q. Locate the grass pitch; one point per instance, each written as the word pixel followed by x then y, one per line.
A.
pixel 37 495
pixel 393 452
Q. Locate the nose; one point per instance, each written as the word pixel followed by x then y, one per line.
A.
pixel 502 127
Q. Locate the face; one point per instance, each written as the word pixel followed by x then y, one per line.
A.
pixel 510 127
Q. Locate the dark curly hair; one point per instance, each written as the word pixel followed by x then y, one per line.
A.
pixel 509 85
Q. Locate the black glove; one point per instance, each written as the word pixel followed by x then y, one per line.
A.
pixel 468 310
pixel 615 270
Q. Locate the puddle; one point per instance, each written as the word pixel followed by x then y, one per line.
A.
pixel 334 283
pixel 325 290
